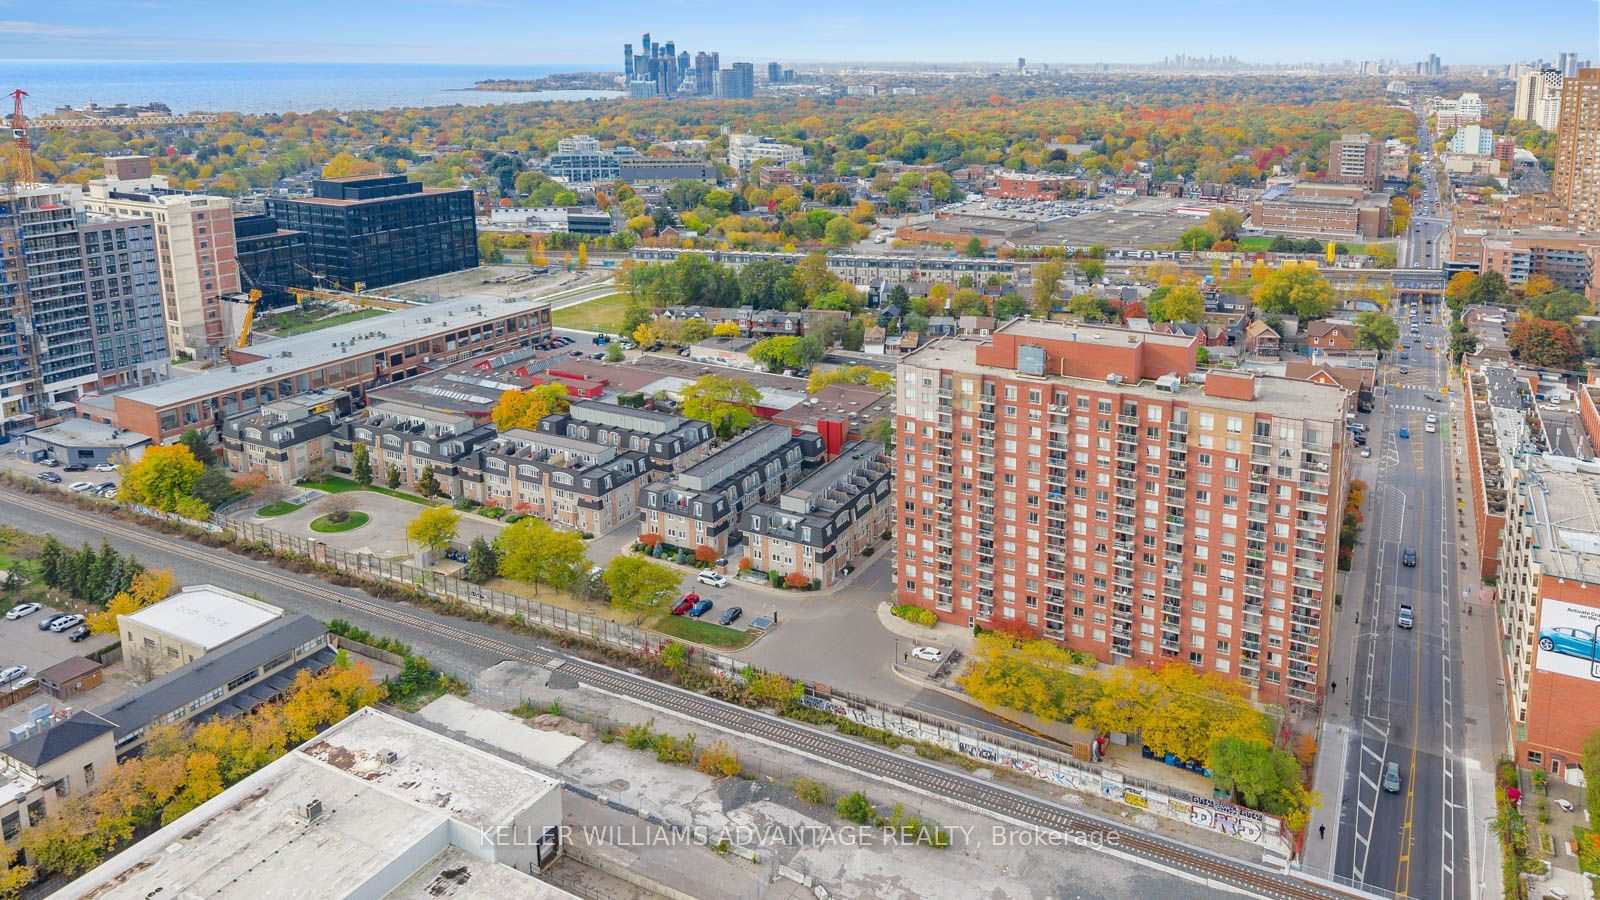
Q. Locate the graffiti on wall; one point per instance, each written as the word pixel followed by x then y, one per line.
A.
pixel 1241 824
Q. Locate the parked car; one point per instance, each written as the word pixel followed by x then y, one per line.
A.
pixel 730 615
pixel 1431 428
pixel 1366 452
pixel 75 467
pixel 686 604
pixel 50 477
pixel 1568 641
pixel 22 609
pixel 12 674
pixel 597 357
pixel 81 633
pixel 50 620
pixel 106 488
pixel 49 463
pixel 715 579
pixel 926 654
pixel 65 622
pixel 105 467
pixel 699 609
pixel 79 487
pixel 1391 778
pixel 578 353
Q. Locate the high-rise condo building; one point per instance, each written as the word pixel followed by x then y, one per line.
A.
pixel 1577 176
pixel 1087 484
pixel 1356 159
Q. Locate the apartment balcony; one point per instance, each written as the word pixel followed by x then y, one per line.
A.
pixel 1308 506
pixel 1122 648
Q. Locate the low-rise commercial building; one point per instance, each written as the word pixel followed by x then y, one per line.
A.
pixel 230 680
pixel 860 269
pixel 724 351
pixel 658 172
pixel 375 806
pixel 188 625
pixel 80 442
pixel 353 357
pixel 1322 211
pixel 1567 258
pixel 701 506
pixel 745 149
pixel 823 523
pixel 48 760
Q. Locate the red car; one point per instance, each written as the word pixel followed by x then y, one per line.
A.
pixel 686 604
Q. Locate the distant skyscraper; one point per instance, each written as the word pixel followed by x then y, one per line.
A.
pixel 661 70
pixel 1567 64
pixel 627 60
pixel 1578 150
pixel 1022 63
pixel 737 82
pixel 774 73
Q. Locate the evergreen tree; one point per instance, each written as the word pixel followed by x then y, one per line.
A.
pixel 362 464
pixel 483 563
pixel 52 562
pixel 103 573
pixel 197 445
pixel 428 484
pixel 81 582
pixel 11 584
pixel 393 476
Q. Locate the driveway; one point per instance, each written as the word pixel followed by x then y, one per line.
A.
pixel 384 535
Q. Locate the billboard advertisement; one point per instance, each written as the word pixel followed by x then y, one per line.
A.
pixel 1569 640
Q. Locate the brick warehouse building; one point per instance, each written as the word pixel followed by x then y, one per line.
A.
pixel 1088 484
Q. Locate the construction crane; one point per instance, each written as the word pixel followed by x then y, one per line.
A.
pixel 249 318
pixel 19 135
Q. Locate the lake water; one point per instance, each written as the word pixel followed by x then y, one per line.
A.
pixel 263 87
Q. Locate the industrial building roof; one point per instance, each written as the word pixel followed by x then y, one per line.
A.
pixel 341 342
pixel 206 616
pixel 391 795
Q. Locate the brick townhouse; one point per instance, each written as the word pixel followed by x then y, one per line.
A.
pixel 824 522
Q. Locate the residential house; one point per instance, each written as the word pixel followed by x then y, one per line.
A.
pixel 1331 335
pixel 1261 340
pixel 50 758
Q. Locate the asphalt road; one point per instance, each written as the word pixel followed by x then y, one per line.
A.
pixel 1406 682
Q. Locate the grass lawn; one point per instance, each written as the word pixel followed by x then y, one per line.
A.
pixel 710 634
pixel 292 324
pixel 356 519
pixel 280 508
pixel 601 314
pixel 333 484
pixel 1255 243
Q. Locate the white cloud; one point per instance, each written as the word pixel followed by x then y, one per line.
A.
pixel 45 29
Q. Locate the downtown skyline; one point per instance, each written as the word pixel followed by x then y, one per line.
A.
pixel 453 31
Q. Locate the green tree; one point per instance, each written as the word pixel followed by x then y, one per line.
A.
pixel 198 447
pixel 778 353
pixel 633 316
pixel 434 528
pixel 721 401
pixel 614 353
pixel 533 552
pixel 1091 308
pixel 1092 269
pixel 392 477
pixel 1262 777
pixel 1297 290
pixel 694 330
pixel 1591 763
pixel 361 464
pixel 975 248
pixel 1009 306
pixel 483 563
pixel 162 478
pixel 52 561
pixel 1559 306
pixel 638 586
pixel 428 484
pixel 1196 238
pixel 1488 289
pixel 1376 331
pixel 1047 286
pixel 839 232
pixel 855 332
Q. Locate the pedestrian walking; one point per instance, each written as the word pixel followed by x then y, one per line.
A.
pixel 1322 832
pixel 1333 687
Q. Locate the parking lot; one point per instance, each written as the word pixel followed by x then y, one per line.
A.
pixel 22 467
pixel 23 644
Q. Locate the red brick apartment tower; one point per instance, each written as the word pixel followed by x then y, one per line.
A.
pixel 1082 483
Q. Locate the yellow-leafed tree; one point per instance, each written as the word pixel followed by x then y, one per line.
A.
pixel 147 588
pixel 164 478
pixel 524 409
pixel 317 701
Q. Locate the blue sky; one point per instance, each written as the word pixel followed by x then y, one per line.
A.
pixel 563 32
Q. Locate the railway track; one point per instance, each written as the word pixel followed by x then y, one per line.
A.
pixel 825 746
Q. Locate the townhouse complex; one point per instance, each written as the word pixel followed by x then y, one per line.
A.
pixel 1088 485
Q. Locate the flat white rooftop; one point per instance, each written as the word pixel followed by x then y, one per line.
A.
pixel 383 825
pixel 206 616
